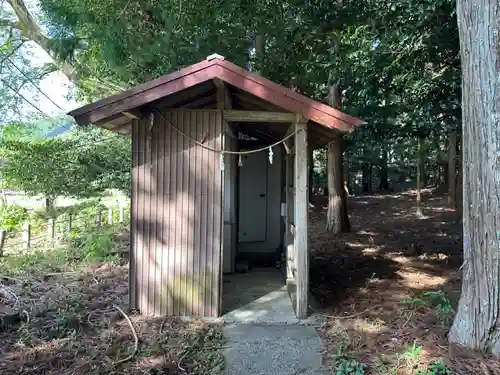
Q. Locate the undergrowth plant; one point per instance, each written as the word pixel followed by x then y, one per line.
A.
pixel 346 364
pixel 35 261
pixel 435 368
pixel 95 246
pixel 202 352
pixel 443 304
pixel 435 299
pixel 412 356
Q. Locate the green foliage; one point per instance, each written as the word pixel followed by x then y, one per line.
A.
pixel 441 301
pixel 38 222
pixel 95 246
pixel 87 244
pixel 12 217
pixel 435 368
pixel 412 356
pixel 347 365
pixel 435 299
pixel 414 302
pixel 36 261
pixel 68 316
pixel 26 337
pixel 18 52
pixel 397 62
pixel 81 163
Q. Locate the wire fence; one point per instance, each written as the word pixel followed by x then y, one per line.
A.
pixel 59 230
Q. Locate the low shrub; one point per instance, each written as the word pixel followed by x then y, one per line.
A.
pixel 12 217
pixel 96 246
pixel 35 261
pixel 345 364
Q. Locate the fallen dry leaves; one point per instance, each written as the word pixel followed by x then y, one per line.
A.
pixel 365 282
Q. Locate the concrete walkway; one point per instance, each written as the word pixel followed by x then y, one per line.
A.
pixel 287 349
pixel 264 337
pixel 273 308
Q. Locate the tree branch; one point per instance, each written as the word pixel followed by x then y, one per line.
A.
pixel 12 52
pixel 10 23
pixel 31 30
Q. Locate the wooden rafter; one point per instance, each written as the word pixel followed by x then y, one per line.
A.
pixel 258 116
pixel 133 113
pixel 200 103
pixel 224 100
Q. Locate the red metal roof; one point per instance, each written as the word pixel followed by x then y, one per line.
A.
pixel 109 108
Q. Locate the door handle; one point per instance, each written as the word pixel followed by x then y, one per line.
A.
pixel 262 195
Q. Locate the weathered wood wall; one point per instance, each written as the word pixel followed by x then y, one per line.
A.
pixel 176 215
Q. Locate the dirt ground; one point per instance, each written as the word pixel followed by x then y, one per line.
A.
pixel 387 291
pixel 78 323
pixel 388 288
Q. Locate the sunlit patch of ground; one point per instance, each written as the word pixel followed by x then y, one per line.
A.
pixel 389 288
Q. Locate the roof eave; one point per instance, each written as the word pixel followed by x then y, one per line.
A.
pixel 232 74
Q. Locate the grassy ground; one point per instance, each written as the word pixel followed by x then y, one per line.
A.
pixel 389 288
pixel 66 312
pixel 83 217
pixel 62 204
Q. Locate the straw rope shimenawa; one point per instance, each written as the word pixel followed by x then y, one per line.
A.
pixel 227 151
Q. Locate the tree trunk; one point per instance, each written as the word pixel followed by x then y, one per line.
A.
pixel 347 176
pixel 452 170
pixel 364 177
pixel 477 322
pixel 445 164
pixel 259 54
pixel 419 177
pixel 337 220
pixel 459 193
pixel 384 183
pixel 370 177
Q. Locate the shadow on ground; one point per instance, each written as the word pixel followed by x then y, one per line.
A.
pixel 387 239
pixel 388 289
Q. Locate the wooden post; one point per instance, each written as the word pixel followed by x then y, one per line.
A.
pixel 289 199
pixel 68 226
pixel 51 232
pixel 2 241
pixel 122 213
pixel 110 216
pixel 289 216
pixel 98 220
pixel 310 166
pixel 27 236
pixel 301 251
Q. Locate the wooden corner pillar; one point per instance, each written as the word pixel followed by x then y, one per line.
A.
pixel 301 249
pixel 290 201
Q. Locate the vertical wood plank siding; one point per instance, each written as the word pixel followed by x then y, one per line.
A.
pixel 175 266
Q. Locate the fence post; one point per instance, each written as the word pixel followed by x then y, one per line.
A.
pixel 68 226
pixel 98 220
pixel 51 230
pixel 110 216
pixel 27 236
pixel 2 240
pixel 122 213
